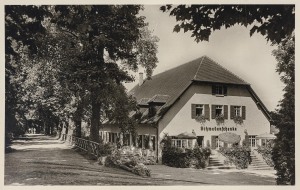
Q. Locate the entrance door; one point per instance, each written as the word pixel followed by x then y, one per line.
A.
pixel 214 140
pixel 252 139
pixel 200 141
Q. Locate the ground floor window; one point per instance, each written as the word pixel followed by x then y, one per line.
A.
pixel 265 142
pixel 182 143
pixel 146 141
pixel 252 140
pixel 153 140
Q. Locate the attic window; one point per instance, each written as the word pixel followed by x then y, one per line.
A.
pixel 219 90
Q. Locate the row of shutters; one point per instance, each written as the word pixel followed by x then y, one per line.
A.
pixel 213 111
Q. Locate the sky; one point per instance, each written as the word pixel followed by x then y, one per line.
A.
pixel 250 58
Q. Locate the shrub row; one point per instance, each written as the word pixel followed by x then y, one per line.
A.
pixel 129 163
pixel 237 155
pixel 186 158
pixel 266 152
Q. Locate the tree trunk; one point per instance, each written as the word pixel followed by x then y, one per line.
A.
pixel 95 120
pixel 77 121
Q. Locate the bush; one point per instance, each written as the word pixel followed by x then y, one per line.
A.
pixel 127 162
pixel 186 158
pixel 266 152
pixel 237 155
pixel 142 170
pixel 177 157
pixel 106 149
pixel 201 156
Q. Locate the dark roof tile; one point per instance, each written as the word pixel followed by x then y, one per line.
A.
pixel 174 81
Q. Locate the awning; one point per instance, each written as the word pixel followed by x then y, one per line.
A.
pixel 266 136
pixel 186 135
pixel 229 138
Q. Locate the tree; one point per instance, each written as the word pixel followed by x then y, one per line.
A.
pixel 22 24
pixel 284 118
pixel 108 37
pixel 273 21
pixel 84 53
pixel 277 24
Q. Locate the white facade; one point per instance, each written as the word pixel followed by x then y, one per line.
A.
pixel 255 123
pixel 178 119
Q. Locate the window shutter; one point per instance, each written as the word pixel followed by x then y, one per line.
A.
pixel 213 89
pixel 225 112
pixel 225 90
pixel 193 111
pixel 243 112
pixel 231 112
pixel 206 110
pixel 213 111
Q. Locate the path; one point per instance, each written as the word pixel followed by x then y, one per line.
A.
pixel 42 160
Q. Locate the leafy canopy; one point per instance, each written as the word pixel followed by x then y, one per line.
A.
pixel 273 21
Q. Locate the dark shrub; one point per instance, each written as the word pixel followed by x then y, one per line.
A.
pixel 177 157
pixel 237 155
pixel 106 149
pixel 201 156
pixel 266 152
pixel 186 158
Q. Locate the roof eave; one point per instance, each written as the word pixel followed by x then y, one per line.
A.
pixel 264 108
pixel 244 84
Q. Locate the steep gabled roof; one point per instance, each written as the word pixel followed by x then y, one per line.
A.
pixel 210 71
pixel 169 85
pixel 174 81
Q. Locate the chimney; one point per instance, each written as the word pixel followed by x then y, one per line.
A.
pixel 141 79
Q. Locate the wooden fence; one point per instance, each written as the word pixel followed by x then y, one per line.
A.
pixel 85 145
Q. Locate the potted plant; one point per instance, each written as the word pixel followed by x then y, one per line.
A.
pixel 220 119
pixel 238 120
pixel 201 119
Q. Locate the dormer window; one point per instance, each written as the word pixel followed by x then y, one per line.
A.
pixel 220 90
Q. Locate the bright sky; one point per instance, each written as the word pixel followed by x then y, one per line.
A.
pixel 250 58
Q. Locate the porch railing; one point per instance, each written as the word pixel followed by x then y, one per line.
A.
pixel 84 144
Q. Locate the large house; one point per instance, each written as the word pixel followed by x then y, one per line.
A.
pixel 195 102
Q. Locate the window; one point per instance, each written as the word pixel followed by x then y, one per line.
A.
pixel 252 140
pixel 182 143
pixel 140 141
pixel 219 110
pixel 178 143
pixel 153 142
pixel 219 90
pixel 237 111
pixel 199 109
pixel 146 141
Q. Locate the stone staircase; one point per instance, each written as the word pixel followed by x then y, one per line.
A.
pixel 258 163
pixel 216 162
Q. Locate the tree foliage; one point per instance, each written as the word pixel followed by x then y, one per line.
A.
pixel 73 62
pixel 284 117
pixel 109 37
pixel 273 21
pixel 22 24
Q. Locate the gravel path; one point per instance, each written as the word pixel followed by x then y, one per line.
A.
pixel 43 160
